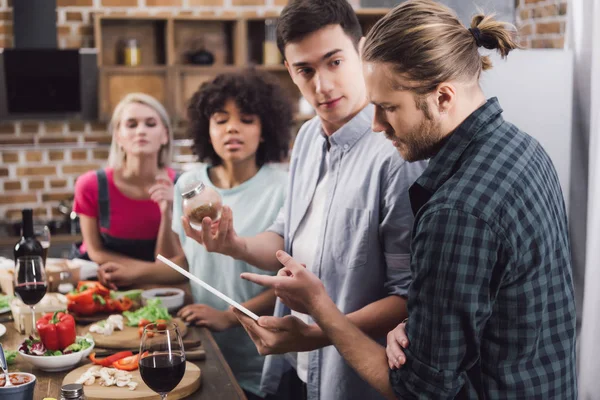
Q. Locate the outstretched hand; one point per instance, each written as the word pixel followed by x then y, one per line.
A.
pixel 297 287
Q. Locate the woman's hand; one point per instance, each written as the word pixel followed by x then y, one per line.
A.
pixel 162 193
pixel 203 315
pixel 113 275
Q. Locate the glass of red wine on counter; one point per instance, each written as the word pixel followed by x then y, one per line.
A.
pixel 162 362
pixel 30 282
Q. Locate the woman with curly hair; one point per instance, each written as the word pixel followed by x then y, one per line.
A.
pixel 240 123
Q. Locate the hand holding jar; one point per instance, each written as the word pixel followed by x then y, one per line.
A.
pixel 216 233
pixel 199 202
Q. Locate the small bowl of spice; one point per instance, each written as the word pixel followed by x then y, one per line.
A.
pixel 201 201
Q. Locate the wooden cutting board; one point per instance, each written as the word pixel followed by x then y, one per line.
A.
pixel 189 384
pixel 128 338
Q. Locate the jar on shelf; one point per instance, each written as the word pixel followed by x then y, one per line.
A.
pixel 271 54
pixel 133 53
pixel 201 201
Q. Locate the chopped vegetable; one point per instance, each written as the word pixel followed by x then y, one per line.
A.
pixel 32 346
pixel 91 297
pixel 56 330
pixel 107 326
pixel 107 377
pixel 107 361
pixel 5 301
pixel 133 295
pixel 122 304
pixel 152 312
pixel 35 347
pixel 130 363
pixel 10 356
pixel 79 345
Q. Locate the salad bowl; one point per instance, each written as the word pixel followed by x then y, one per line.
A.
pixel 53 361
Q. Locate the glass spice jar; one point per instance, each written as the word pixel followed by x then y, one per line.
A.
pixel 133 53
pixel 199 202
pixel 73 391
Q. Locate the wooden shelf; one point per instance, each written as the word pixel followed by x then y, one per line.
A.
pixel 116 82
pixel 235 42
pixel 121 69
pixel 202 69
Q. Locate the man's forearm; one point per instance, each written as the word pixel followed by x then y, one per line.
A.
pixel 364 355
pixel 375 320
pixel 260 251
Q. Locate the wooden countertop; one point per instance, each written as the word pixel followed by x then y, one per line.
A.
pixel 218 382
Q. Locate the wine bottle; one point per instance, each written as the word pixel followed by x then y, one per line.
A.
pixel 28 245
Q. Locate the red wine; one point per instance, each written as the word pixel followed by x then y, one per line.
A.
pixel 31 293
pixel 161 373
pixel 28 244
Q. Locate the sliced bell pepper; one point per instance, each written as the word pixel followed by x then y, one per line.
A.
pixel 122 304
pixel 97 287
pixel 82 309
pixel 108 361
pixel 129 363
pixel 56 330
pixel 82 297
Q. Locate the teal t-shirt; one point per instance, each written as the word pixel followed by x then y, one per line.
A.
pixel 255 205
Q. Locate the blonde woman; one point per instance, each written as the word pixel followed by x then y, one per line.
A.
pixel 125 208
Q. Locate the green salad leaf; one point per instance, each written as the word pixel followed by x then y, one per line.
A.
pixel 10 356
pixel 5 301
pixel 81 343
pixel 153 311
pixel 133 295
pixel 53 353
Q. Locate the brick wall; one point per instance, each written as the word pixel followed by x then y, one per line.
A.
pixel 39 161
pixel 542 23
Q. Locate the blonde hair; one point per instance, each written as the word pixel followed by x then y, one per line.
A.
pixel 117 155
pixel 426 42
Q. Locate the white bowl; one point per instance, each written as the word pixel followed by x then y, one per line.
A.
pixel 58 363
pixel 172 303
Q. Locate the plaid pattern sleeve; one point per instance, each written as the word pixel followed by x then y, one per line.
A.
pixel 460 269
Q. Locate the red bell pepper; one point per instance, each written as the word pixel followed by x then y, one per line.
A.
pixel 97 287
pixel 56 330
pixel 129 363
pixel 108 361
pixel 122 304
pixel 89 297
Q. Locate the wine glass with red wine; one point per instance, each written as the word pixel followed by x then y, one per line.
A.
pixel 30 282
pixel 162 361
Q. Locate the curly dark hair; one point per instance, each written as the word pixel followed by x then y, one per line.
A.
pixel 254 92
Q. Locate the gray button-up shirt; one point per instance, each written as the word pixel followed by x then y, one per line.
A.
pixel 364 246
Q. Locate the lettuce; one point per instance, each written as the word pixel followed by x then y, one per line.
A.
pixel 10 356
pixel 153 311
pixel 5 301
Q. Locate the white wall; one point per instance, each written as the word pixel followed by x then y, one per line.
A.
pixel 535 90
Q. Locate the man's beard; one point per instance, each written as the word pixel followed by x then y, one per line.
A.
pixel 422 142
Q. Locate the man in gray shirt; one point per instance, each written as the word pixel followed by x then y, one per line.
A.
pixel 347 216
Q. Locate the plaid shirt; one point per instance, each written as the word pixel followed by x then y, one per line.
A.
pixel 491 305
